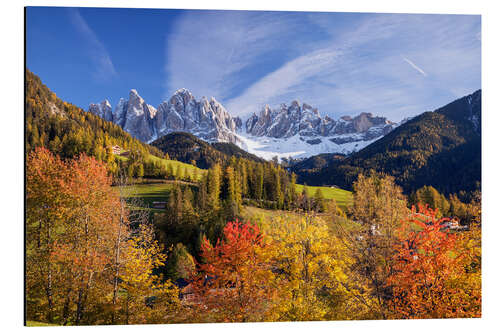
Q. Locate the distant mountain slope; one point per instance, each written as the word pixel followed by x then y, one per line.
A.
pixel 316 163
pixel 440 148
pixel 186 147
pixel 67 130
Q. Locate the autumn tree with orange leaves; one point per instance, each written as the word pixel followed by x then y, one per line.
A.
pixel 436 271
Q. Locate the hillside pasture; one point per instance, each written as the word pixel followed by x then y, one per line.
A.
pixel 147 194
pixel 342 197
pixel 189 168
pixel 174 165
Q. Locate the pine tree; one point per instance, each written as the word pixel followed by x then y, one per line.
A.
pixel 259 182
pixel 140 170
pixel 170 171
pixel 319 201
pixel 180 263
pixel 378 205
pixel 231 194
pixel 278 194
pixel 202 198
pixel 305 202
pixel 213 188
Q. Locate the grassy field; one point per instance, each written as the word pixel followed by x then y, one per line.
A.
pixel 189 169
pixel 176 164
pixel 148 193
pixel 343 197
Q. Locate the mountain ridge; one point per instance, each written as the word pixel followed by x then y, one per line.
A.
pixel 441 148
pixel 210 121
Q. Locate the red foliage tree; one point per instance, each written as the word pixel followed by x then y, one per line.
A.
pixel 431 278
pixel 233 278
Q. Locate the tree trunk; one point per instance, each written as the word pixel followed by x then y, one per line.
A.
pixel 66 307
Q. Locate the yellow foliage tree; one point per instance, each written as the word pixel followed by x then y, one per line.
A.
pixel 310 266
pixel 144 297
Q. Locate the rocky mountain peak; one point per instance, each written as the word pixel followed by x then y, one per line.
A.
pixel 239 123
pixel 134 97
pixel 102 110
pixel 207 119
pixel 306 122
pixel 106 103
pixel 182 97
pixel 182 91
pixel 133 94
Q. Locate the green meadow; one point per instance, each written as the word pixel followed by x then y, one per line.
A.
pixel 150 192
pixel 342 197
pixel 175 166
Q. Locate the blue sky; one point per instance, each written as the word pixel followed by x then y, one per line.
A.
pixel 396 65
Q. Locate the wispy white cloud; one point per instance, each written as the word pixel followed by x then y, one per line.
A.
pixel 340 63
pixel 207 50
pixel 281 82
pixel 104 68
pixel 412 64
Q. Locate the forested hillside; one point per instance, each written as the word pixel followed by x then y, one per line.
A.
pixel 186 147
pixel 440 148
pixel 67 130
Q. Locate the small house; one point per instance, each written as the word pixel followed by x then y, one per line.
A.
pixel 116 149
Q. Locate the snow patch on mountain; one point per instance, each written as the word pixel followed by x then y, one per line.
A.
pixel 298 147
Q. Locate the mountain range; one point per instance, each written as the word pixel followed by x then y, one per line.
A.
pixel 287 131
pixel 440 148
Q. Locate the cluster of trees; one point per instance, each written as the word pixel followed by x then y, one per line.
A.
pixel 405 256
pixel 202 210
pixel 92 261
pixel 396 264
pixel 437 274
pixel 88 259
pixel 451 206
